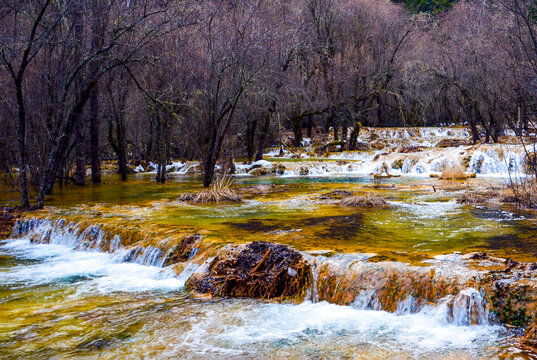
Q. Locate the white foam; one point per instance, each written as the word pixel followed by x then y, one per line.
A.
pixel 252 325
pixel 91 271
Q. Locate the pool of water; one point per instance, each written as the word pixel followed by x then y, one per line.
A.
pixel 423 220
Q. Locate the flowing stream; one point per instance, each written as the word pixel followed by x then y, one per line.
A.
pixel 64 298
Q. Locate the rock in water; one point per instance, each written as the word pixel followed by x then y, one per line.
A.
pixel 259 270
pixel 184 251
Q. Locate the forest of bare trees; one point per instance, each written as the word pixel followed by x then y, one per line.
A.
pixel 82 82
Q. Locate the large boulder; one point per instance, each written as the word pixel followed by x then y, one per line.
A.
pixel 258 270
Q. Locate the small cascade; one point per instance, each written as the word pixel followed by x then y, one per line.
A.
pixel 78 237
pixel 343 279
pixel 487 160
pixel 313 293
pixel 408 306
pixel 465 308
pixel 367 300
pixel 398 288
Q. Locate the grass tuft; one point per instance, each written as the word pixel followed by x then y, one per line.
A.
pixel 220 191
pixel 368 201
pixel 453 173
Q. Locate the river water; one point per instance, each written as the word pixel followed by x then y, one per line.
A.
pixel 61 300
pixel 57 302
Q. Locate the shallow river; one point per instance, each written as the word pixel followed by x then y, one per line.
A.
pixel 59 303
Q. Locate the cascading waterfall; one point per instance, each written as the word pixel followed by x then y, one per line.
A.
pixel 335 280
pixel 400 290
pixel 91 238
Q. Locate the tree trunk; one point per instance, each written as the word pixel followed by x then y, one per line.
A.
pixel 80 157
pixel 161 156
pixel 80 173
pixel 335 126
pixel 208 172
pixel 354 136
pixel 310 126
pixel 60 144
pixel 262 138
pixel 296 123
pixel 23 166
pixel 94 137
pixel 117 142
pixel 344 131
pixel 122 146
pixel 96 29
pixel 251 128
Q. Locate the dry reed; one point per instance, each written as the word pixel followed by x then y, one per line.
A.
pixel 368 201
pixel 219 191
pixel 453 173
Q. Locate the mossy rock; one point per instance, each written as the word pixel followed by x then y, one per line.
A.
pixel 303 171
pixel 530 336
pixel 529 163
pixel 259 172
pixel 466 161
pixel 278 169
pixel 398 164
pixel 453 143
pixel 378 146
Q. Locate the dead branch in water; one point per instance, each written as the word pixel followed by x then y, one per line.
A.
pixel 261 262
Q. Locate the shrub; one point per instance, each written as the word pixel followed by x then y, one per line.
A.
pixel 471 198
pixel 523 192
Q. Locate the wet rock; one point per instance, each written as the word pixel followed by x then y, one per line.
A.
pixel 303 171
pixel 530 336
pixel 378 146
pixel 479 256
pixel 329 147
pixel 411 149
pixel 398 164
pixel 278 169
pixel 510 264
pixel 336 194
pixel 453 143
pixel 96 344
pixel 259 270
pixel 259 172
pixel 184 251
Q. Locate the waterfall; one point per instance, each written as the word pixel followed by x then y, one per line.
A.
pixel 90 238
pixel 397 288
pixel 344 279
